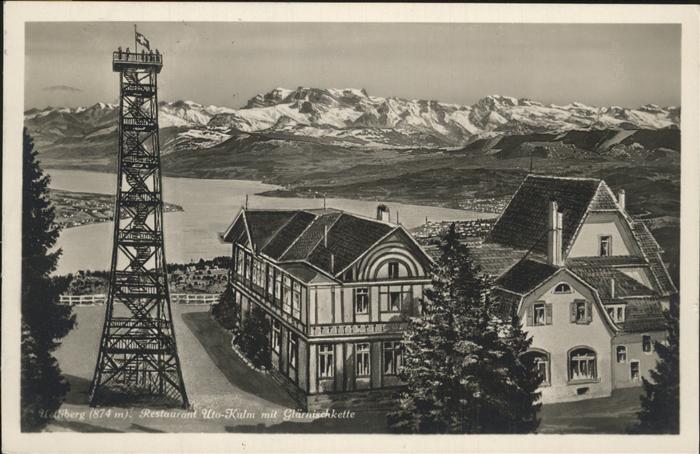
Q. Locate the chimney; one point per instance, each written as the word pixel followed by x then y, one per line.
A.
pixel 325 236
pixel 554 234
pixel 383 213
pixel 621 199
pixel 332 263
pixel 612 288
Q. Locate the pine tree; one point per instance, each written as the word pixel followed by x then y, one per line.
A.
pixel 660 411
pixel 44 320
pixel 463 357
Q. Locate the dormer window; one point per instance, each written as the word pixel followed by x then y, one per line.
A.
pixel 616 312
pixel 605 245
pixel 562 288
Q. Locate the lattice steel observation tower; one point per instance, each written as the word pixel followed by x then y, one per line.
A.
pixel 138 359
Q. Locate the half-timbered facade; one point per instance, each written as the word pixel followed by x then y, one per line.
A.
pixel 337 289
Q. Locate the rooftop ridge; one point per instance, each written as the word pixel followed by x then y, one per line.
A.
pixel 558 177
pixel 314 211
pixel 312 249
pixel 291 245
pixel 278 230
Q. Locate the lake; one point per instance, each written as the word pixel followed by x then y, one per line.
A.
pixel 209 207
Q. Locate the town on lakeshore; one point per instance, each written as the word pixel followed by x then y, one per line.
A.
pixel 326 260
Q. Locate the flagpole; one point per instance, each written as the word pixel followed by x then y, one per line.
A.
pixel 136 41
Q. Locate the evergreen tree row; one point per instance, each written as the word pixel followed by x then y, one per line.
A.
pixel 44 320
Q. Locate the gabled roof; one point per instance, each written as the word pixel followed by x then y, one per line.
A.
pixel 311 237
pixel 298 236
pixel 601 279
pixel 525 276
pixel 643 315
pixel 523 224
pixel 286 235
pixel 266 224
pixel 348 239
pixel 652 252
pixel 607 261
pixel 495 259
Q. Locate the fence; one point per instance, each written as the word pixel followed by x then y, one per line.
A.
pixel 180 298
pixel 83 300
pixel 194 298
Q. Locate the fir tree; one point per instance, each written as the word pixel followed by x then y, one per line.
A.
pixel 253 338
pixel 463 361
pixel 660 404
pixel 226 310
pixel 44 320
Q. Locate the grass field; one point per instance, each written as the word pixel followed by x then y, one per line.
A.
pixel 227 396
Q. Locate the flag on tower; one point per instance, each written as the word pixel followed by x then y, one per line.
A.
pixel 143 41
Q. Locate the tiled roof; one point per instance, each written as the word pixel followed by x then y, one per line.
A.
pixel 523 224
pixel 303 272
pixel 652 251
pixel 495 259
pixel 611 260
pixel 644 237
pixel 525 276
pixel 603 200
pixel 349 238
pixel 264 224
pixel 600 279
pixel 311 237
pixel 289 233
pixel 236 232
pixel 298 236
pixel 643 315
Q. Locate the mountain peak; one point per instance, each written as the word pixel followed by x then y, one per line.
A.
pixel 497 100
pixel 349 116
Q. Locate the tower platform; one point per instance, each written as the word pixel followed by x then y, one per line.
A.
pixel 125 61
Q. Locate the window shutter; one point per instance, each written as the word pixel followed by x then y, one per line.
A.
pixel 589 312
pixel 548 313
pixel 572 312
pixel 529 309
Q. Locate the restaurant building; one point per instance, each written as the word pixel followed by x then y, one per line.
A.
pixel 337 289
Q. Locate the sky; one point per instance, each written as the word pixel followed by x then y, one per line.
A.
pixel 225 64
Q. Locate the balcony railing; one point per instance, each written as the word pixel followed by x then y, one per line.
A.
pixel 142 122
pixel 140 237
pixel 357 328
pixel 122 60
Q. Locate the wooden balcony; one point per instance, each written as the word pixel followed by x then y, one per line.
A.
pixel 354 329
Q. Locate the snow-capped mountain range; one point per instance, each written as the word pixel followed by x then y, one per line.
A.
pixel 348 118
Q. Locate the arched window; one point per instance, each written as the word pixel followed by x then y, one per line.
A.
pixel 582 364
pixel 562 288
pixel 621 352
pixel 541 361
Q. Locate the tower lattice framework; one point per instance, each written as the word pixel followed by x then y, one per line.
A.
pixel 138 357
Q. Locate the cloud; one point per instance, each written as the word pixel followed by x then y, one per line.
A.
pixel 62 88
